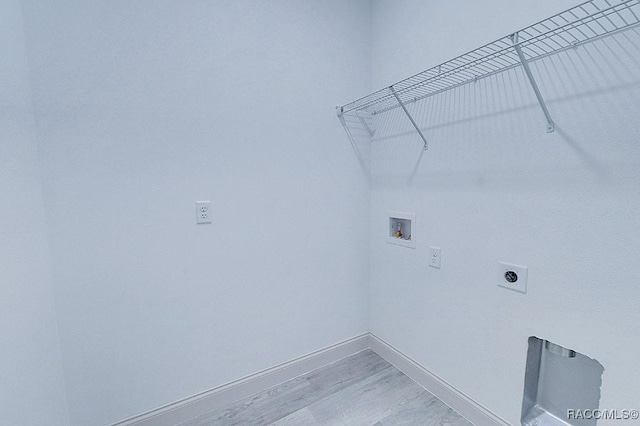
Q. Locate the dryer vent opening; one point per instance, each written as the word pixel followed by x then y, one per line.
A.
pixel 560 386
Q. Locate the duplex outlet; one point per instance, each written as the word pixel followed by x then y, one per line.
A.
pixel 203 211
pixel 434 257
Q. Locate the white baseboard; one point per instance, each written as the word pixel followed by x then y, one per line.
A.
pixel 180 411
pixel 454 398
pixel 188 408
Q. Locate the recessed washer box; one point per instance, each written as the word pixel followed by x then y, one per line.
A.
pixel 402 229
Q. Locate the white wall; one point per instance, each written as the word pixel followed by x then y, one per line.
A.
pixel 31 382
pixel 145 107
pixel 494 186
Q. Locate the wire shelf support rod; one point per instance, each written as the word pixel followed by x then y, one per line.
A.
pixel 404 108
pixel 527 70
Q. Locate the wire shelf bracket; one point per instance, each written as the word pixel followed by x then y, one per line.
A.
pixel 527 70
pixel 352 140
pixel 404 108
pixel 361 118
pixel 586 22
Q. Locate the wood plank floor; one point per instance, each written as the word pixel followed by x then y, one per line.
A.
pixel 361 390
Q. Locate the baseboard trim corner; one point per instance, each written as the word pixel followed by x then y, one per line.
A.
pixel 188 408
pixel 454 398
pixel 191 407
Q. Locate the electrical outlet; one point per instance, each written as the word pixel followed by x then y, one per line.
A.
pixel 513 277
pixel 203 211
pixel 434 257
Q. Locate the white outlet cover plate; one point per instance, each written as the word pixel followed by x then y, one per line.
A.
pixel 203 211
pixel 520 285
pixel 434 257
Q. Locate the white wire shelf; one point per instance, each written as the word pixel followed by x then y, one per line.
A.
pixel 586 22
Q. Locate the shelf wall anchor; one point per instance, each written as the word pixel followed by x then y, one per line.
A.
pixel 426 145
pixel 525 65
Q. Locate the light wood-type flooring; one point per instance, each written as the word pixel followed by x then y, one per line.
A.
pixel 360 390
